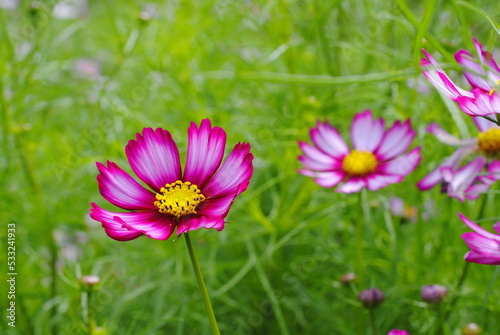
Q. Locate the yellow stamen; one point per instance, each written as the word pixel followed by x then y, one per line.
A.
pixel 178 199
pixel 491 92
pixel 489 142
pixel 359 163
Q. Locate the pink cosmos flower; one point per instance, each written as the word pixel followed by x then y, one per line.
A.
pixel 484 246
pixel 398 332
pixel 483 74
pixel 475 177
pixel 377 160
pixel 201 196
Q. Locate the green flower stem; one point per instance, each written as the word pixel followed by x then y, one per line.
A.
pixel 372 321
pixel 201 285
pixel 360 226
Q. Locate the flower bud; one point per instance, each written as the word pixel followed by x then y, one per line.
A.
pixel 89 281
pixel 471 329
pixel 371 298
pixel 347 278
pixel 434 293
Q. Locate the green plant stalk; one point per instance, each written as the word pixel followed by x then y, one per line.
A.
pixel 266 285
pixel 372 321
pixel 359 241
pixel 201 285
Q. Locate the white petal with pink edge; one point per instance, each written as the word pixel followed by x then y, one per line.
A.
pixel 351 185
pixel 395 141
pixel 377 181
pixel 402 165
pixel 328 140
pixel 366 132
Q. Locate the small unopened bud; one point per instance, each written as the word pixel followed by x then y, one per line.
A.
pixel 89 280
pixel 347 278
pixel 398 332
pixel 471 329
pixel 434 293
pixel 371 298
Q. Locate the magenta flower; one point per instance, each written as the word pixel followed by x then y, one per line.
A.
pixel 377 160
pixel 484 246
pixel 475 177
pixel 398 332
pixel 483 75
pixel 199 197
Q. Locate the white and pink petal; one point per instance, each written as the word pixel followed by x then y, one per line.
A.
pixel 328 140
pixel 366 132
pixel 234 174
pixel 194 222
pixel 120 189
pixel 154 157
pixel 205 152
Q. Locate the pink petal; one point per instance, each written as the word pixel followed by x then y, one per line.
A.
pixel 112 228
pixel 216 206
pixel 154 158
pixel 120 189
pixel 188 223
pixel 328 140
pixel 315 159
pixel 439 79
pixel 445 137
pixel 395 141
pixel 473 71
pixel 205 152
pixel 325 179
pixel 496 226
pixel 366 132
pixel 430 180
pixel 479 258
pixel 483 124
pixel 351 185
pixel 234 174
pixel 478 229
pixel 151 223
pixel 464 177
pixel 378 181
pixel 481 104
pixel 403 165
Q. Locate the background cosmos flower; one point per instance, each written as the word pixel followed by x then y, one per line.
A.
pixel 484 246
pixel 471 179
pixel 377 160
pixel 483 74
pixel 398 332
pixel 201 196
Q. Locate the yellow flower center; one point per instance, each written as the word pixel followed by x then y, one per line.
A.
pixel 178 199
pixel 489 141
pixel 359 163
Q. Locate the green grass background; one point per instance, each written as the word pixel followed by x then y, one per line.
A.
pixel 265 71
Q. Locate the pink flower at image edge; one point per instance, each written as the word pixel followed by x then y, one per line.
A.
pixel 379 157
pixel 484 246
pixel 398 332
pixel 198 197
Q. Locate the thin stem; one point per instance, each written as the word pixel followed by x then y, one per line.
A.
pixel 90 319
pixel 372 321
pixel 488 291
pixel 201 285
pixel 359 240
